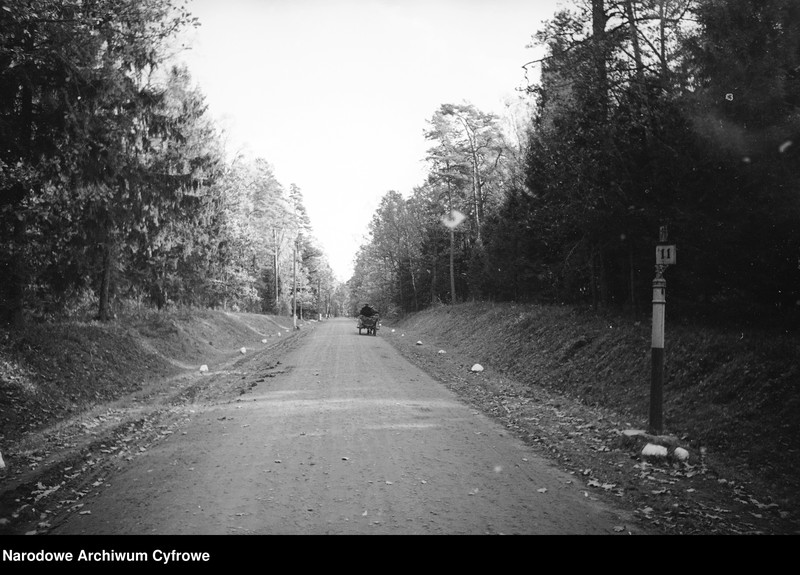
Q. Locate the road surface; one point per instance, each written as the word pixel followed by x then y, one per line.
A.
pixel 343 436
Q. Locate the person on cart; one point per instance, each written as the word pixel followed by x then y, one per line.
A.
pixel 368 319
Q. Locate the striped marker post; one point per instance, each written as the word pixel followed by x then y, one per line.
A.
pixel 657 379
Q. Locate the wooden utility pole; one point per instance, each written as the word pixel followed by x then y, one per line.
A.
pixel 275 241
pixel 294 284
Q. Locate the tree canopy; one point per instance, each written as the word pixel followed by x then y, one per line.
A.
pixel 113 178
pixel 649 115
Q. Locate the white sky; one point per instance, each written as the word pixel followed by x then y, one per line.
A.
pixel 336 94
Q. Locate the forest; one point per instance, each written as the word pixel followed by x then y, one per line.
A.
pixel 652 122
pixel 115 189
pixel 646 123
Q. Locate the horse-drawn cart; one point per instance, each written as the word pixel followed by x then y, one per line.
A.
pixel 368 323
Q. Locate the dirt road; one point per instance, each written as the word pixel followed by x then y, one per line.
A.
pixel 342 436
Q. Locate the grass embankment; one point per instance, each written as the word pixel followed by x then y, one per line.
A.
pixel 734 392
pixel 49 371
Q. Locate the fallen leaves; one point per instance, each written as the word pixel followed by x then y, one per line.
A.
pixel 41 491
pixel 605 486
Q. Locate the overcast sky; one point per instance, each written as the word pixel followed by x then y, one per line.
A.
pixel 335 94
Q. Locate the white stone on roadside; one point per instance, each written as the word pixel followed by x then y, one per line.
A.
pixel 419 343
pixel 653 450
pixel 477 368
pixel 441 351
pixel 392 331
pixel 680 454
pixel 263 341
pixel 203 368
pixel 243 350
pixel 2 463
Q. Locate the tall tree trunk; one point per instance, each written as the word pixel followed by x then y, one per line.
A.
pixel 452 246
pixel 294 285
pixel 632 279
pixel 452 267
pixel 593 278
pixel 411 270
pixel 225 292
pixel 399 271
pixel 663 39
pixel 476 197
pixel 604 293
pixel 600 49
pixel 109 260
pixel 414 287
pixel 634 32
pixel 14 283
pixel 434 266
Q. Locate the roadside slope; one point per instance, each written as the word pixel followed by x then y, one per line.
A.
pixel 730 398
pixel 51 371
pixel 78 398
